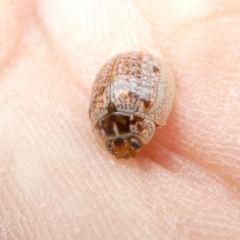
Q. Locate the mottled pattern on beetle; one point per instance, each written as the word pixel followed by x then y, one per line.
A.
pixel 133 85
pixel 132 94
pixel 101 92
pixel 117 125
pixel 139 84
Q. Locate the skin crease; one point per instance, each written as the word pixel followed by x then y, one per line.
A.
pixel 57 183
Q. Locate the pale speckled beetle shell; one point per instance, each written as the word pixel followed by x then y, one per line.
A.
pixel 133 93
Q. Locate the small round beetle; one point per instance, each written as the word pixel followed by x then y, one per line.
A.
pixel 133 94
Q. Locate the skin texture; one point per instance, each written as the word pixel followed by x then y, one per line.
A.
pixel 57 183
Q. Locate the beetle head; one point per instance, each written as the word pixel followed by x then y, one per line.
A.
pixel 124 148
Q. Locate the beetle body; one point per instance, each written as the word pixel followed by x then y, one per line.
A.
pixel 133 93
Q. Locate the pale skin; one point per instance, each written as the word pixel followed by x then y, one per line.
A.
pixel 57 183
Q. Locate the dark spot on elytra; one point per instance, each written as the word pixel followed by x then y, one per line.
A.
pixel 146 103
pixel 155 69
pixel 135 120
pixel 139 127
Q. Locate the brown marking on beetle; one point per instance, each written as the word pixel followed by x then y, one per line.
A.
pixel 126 69
pixel 155 69
pixel 138 66
pixel 139 128
pixel 112 107
pixel 121 121
pixel 146 103
pixel 101 90
pixel 133 97
pixel 123 124
pixel 136 119
pixel 107 125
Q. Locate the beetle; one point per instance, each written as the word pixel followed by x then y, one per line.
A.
pixel 132 95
